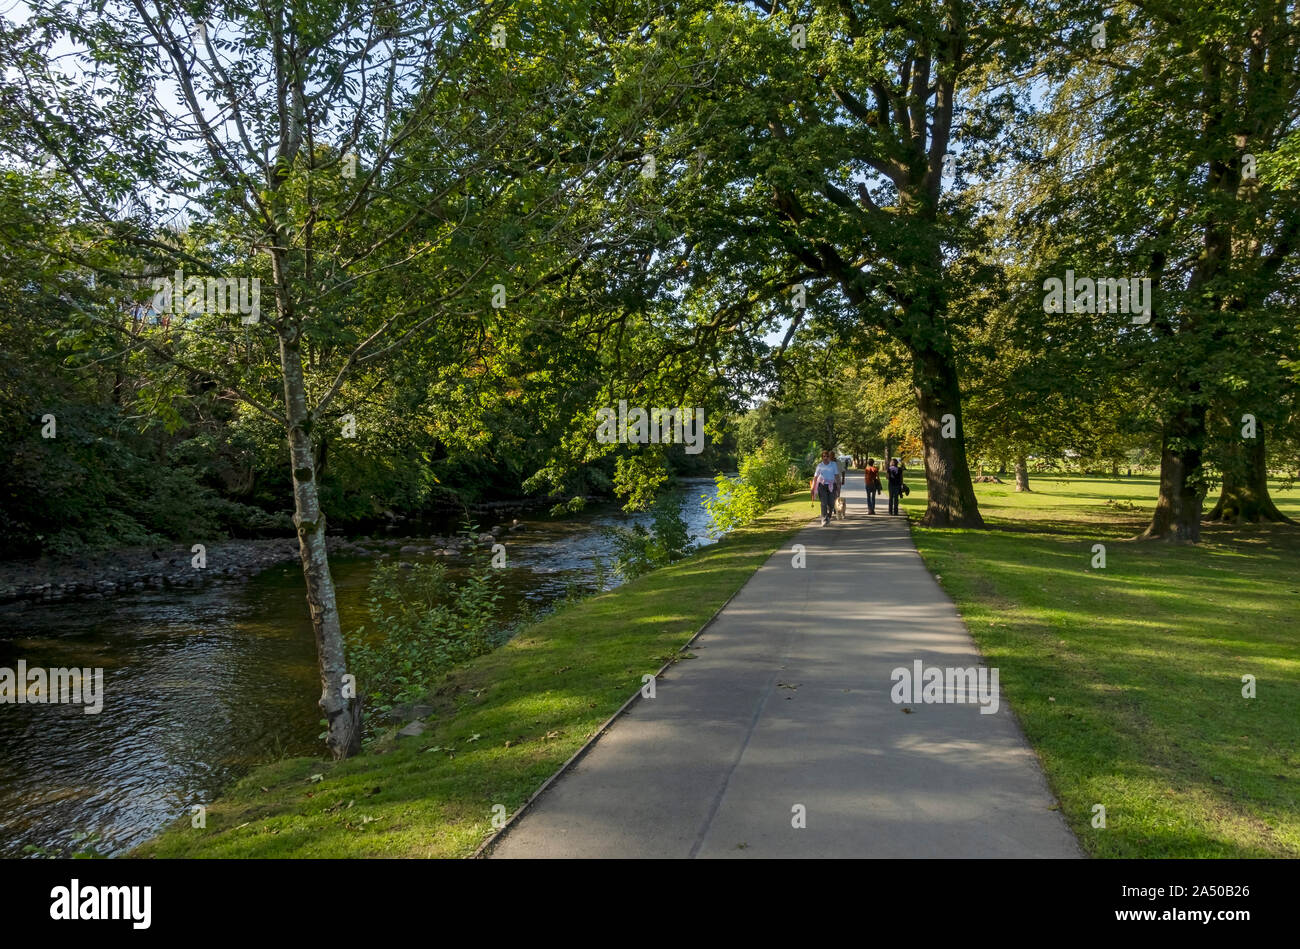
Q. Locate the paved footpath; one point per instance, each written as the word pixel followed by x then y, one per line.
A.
pixel 788 703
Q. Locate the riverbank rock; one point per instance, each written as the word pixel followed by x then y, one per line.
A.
pixel 136 570
pixel 101 574
pixel 409 712
pixel 414 730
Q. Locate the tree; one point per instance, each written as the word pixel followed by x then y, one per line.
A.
pixel 830 156
pixel 383 171
pixel 1181 111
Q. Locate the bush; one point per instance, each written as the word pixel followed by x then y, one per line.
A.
pixel 768 472
pixel 639 551
pixel 766 477
pixel 424 624
pixel 736 503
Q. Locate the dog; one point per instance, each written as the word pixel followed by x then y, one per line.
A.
pixel 840 507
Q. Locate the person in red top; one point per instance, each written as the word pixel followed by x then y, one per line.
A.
pixel 872 474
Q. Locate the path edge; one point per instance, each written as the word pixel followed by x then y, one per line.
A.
pixel 484 849
pixel 1082 852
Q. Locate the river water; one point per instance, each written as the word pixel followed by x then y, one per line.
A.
pixel 200 686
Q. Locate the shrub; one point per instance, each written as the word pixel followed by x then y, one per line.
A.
pixel 768 471
pixel 766 477
pixel 736 503
pixel 639 551
pixel 423 624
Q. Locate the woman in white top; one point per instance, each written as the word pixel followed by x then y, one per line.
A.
pixel 825 478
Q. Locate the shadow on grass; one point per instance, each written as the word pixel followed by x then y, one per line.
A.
pixel 500 726
pixel 1128 680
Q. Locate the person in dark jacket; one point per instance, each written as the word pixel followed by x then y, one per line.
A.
pixel 894 475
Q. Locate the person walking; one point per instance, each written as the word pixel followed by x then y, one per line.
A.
pixel 842 467
pixel 872 476
pixel 823 485
pixel 894 475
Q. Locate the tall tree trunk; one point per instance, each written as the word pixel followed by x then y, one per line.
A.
pixel 342 715
pixel 1022 474
pixel 1244 495
pixel 1182 487
pixel 938 393
pixel 1178 509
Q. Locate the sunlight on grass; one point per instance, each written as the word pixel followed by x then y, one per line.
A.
pixel 501 726
pixel 1128 679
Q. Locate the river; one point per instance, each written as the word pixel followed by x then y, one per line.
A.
pixel 202 685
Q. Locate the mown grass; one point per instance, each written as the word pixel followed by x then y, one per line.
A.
pixel 1128 679
pixel 502 725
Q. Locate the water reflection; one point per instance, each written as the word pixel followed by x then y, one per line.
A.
pixel 202 685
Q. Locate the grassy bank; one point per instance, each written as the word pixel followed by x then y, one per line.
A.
pixel 502 725
pixel 1128 679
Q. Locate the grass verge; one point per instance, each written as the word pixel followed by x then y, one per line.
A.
pixel 502 725
pixel 1128 678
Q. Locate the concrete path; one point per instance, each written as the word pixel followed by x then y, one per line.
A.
pixel 789 703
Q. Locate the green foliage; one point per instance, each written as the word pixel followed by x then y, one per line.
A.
pixel 736 503
pixel 768 471
pixel 638 550
pixel 639 478
pixel 766 477
pixel 536 700
pixel 423 624
pixel 100 483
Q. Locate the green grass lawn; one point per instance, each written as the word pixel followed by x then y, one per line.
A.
pixel 502 725
pixel 1128 679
